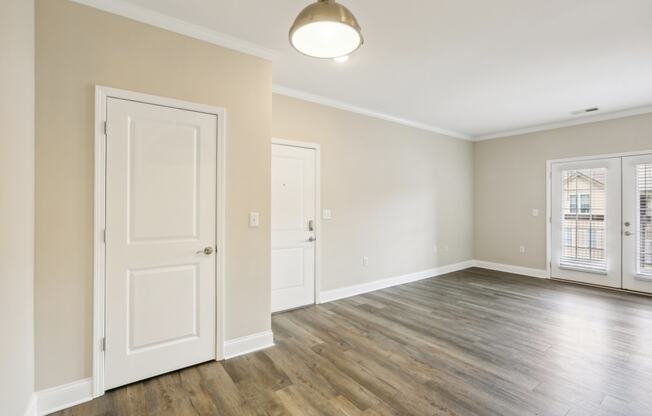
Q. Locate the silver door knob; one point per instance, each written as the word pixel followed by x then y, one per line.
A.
pixel 311 239
pixel 627 233
pixel 208 251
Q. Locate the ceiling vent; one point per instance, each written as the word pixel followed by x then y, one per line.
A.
pixel 585 111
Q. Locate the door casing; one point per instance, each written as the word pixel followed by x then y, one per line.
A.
pixel 99 225
pixel 318 212
pixel 549 164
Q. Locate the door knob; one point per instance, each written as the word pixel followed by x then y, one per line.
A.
pixel 208 251
pixel 311 239
pixel 627 233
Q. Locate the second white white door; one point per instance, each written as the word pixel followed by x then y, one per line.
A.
pixel 293 226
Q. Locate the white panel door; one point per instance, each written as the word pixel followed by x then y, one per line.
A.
pixel 293 227
pixel 160 240
pixel 637 223
pixel 586 218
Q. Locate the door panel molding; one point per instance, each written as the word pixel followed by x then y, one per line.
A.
pixel 102 94
pixel 318 210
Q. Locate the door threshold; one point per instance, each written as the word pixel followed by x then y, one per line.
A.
pixel 294 309
pixel 617 289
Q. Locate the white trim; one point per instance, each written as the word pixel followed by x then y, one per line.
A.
pixel 318 213
pixel 601 156
pixel 64 396
pixel 359 289
pixel 101 95
pixel 153 18
pixel 509 268
pixel 163 21
pixel 568 123
pixel 247 344
pixel 341 105
pixel 548 219
pixel 32 408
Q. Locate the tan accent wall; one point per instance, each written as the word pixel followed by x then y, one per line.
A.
pixel 16 206
pixel 78 47
pixel 395 192
pixel 510 180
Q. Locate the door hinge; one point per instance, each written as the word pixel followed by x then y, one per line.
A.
pixel 104 235
pixel 106 127
pixel 103 344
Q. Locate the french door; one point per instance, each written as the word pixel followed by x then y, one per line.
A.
pixel 637 223
pixel 601 222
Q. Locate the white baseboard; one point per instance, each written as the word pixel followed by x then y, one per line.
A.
pixel 346 292
pixel 250 343
pixel 64 396
pixel 508 268
pixel 31 406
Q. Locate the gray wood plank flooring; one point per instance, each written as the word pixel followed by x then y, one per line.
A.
pixel 474 342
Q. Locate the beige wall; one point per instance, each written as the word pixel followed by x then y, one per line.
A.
pixel 76 48
pixel 510 180
pixel 394 191
pixel 16 205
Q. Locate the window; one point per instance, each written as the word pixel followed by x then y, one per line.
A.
pixel 583 219
pixel 644 188
pixel 585 203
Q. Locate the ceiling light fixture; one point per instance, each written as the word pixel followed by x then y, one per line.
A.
pixel 341 59
pixel 326 29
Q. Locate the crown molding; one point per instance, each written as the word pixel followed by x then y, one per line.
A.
pixel 569 123
pixel 341 105
pixel 160 20
pixel 147 16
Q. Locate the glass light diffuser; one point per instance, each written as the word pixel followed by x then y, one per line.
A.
pixel 326 30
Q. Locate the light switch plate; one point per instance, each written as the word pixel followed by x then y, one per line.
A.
pixel 327 214
pixel 535 212
pixel 254 219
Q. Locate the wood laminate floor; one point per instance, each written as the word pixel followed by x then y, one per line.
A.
pixel 473 342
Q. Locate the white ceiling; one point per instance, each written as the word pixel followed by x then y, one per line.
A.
pixel 477 68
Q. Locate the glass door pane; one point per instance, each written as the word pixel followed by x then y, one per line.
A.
pixel 637 223
pixel 586 221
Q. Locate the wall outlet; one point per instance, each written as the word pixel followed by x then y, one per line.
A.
pixel 521 249
pixel 365 261
pixel 326 214
pixel 535 212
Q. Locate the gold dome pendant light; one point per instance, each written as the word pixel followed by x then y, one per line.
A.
pixel 326 29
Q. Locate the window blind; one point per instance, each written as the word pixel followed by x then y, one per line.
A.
pixel 644 197
pixel 584 219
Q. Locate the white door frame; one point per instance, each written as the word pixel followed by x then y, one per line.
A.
pixel 549 194
pixel 318 214
pixel 99 249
